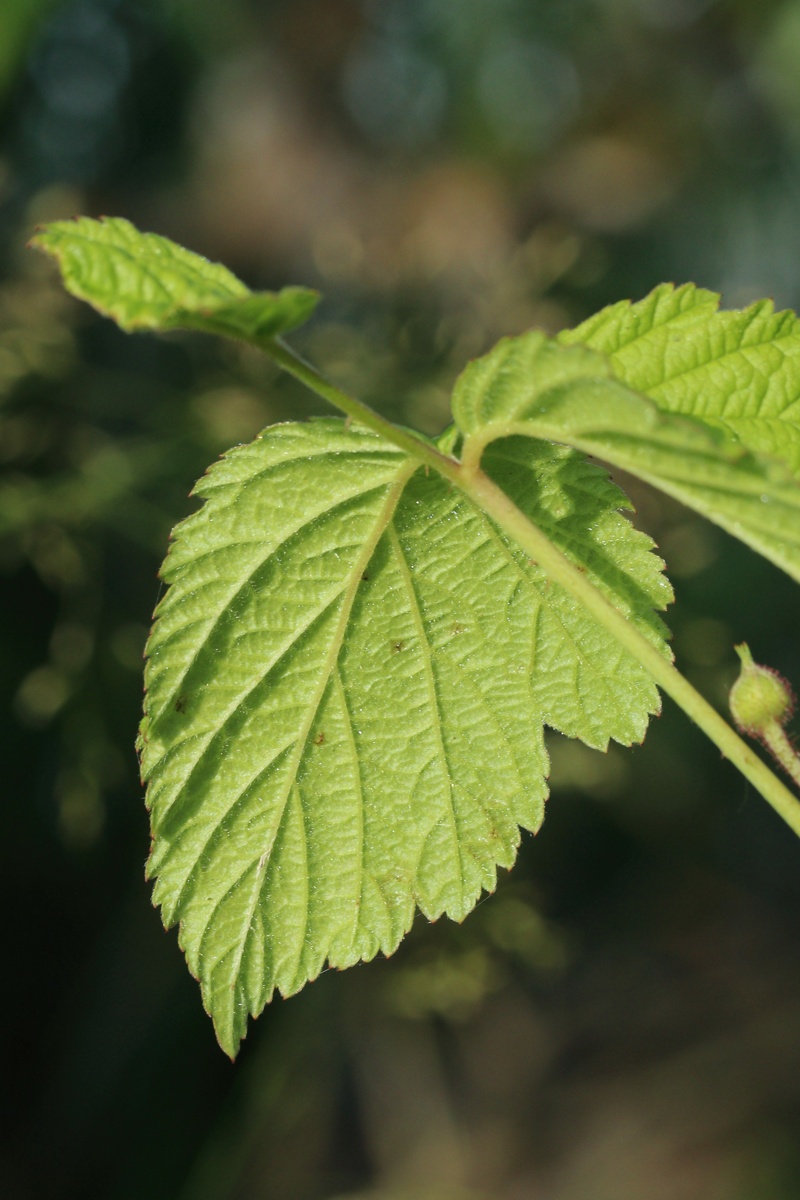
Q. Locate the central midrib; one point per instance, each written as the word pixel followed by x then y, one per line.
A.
pixel 331 658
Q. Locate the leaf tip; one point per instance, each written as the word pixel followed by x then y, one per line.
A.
pixel 36 240
pixel 229 1047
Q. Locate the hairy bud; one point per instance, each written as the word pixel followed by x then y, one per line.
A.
pixel 759 698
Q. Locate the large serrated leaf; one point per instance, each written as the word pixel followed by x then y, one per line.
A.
pixel 735 370
pixel 543 388
pixel 145 281
pixel 348 681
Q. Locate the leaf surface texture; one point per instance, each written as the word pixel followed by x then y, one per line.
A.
pixel 737 371
pixel 596 399
pixel 348 681
pixel 145 281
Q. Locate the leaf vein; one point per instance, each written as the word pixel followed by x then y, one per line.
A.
pixel 416 613
pixel 329 663
pixel 219 615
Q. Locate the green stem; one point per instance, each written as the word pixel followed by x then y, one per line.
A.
pixel 475 484
pixel 407 439
pixel 493 500
pixel 779 744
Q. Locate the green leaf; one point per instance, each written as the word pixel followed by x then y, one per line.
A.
pixel 145 281
pixel 737 371
pixel 543 388
pixel 347 685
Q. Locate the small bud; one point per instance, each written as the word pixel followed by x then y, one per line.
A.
pixel 760 698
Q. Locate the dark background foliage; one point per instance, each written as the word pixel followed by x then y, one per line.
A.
pixel 620 1021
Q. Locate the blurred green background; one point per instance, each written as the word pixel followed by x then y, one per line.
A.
pixel 622 1020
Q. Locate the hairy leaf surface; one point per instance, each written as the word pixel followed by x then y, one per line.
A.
pixel 541 387
pixel 347 685
pixel 145 281
pixel 736 370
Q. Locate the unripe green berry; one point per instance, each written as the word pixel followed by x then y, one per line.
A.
pixel 760 697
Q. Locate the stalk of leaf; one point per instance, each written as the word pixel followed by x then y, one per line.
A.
pixel 470 479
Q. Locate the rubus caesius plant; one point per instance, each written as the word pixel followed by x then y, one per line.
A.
pixel 366 631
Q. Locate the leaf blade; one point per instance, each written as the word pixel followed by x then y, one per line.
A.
pixel 326 752
pixel 736 370
pixel 739 367
pixel 522 386
pixel 145 281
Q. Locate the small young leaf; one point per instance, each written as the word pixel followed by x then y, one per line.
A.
pixel 347 685
pixel 543 388
pixel 738 371
pixel 145 281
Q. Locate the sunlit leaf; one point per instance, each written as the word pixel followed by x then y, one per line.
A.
pixel 348 681
pixel 145 281
pixel 737 371
pixel 545 388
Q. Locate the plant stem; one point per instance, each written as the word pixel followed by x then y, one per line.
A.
pixel 407 439
pixel 779 744
pixel 475 484
pixel 493 500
